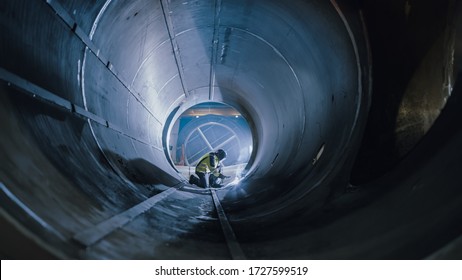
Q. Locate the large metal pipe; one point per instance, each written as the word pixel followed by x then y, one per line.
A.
pixel 91 92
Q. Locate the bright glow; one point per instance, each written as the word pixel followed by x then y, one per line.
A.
pixel 234 182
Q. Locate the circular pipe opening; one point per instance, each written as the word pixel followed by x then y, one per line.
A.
pixel 207 127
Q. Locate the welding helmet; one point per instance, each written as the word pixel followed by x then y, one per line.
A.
pixel 221 154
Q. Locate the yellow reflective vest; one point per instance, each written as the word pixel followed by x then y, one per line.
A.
pixel 209 163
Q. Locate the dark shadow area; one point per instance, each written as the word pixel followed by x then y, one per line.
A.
pixel 401 33
pixel 65 140
pixel 19 246
pixel 420 190
pixel 141 171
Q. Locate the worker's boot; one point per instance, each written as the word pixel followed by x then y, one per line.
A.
pixel 216 182
pixel 193 180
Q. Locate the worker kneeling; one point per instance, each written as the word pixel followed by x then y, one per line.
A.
pixel 208 170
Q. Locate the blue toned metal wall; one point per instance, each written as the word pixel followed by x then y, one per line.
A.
pixel 89 90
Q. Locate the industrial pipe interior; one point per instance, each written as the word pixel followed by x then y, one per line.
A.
pixel 351 108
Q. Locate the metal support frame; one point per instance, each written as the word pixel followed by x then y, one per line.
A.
pixel 73 26
pixel 42 95
pixel 231 240
pixel 213 57
pixel 92 235
pixel 175 47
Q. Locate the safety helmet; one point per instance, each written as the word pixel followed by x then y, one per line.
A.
pixel 221 154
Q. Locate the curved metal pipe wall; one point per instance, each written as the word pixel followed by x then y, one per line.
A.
pixel 298 71
pixel 175 54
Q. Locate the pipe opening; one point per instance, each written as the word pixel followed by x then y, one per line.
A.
pixel 207 127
